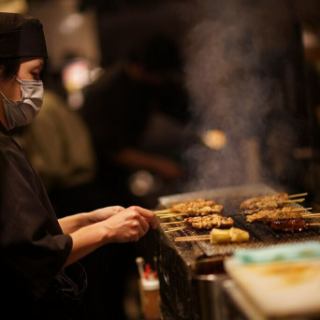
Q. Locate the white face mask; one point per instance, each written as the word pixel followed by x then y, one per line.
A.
pixel 21 113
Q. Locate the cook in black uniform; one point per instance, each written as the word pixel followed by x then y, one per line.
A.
pixel 39 274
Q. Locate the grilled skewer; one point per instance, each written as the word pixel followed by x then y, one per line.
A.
pixel 273 201
pixel 293 225
pixel 297 195
pixel 203 223
pixel 217 236
pixel 269 205
pixel 210 221
pixel 288 212
pixel 197 207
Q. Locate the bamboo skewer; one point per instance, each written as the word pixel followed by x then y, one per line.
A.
pixel 294 200
pixel 167 216
pixel 313 224
pixel 163 211
pixel 171 222
pixel 192 238
pixel 299 209
pixel 311 216
pixel 298 195
pixel 249 212
pixel 174 229
pixel 172 215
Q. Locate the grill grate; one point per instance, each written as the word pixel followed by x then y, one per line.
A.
pixel 260 233
pixel 177 259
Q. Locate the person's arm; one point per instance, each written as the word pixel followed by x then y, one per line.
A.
pixel 74 222
pixel 129 225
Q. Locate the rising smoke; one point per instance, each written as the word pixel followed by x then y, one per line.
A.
pixel 240 59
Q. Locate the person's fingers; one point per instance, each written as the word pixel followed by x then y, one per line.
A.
pixel 136 230
pixel 117 209
pixel 106 212
pixel 149 215
pixel 140 222
pixel 144 224
pixel 145 212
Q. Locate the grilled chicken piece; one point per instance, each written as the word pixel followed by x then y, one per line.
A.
pixel 210 221
pixel 289 225
pixel 264 205
pixel 264 202
pixel 198 207
pixel 288 212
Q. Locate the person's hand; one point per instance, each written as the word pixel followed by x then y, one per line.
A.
pixel 130 225
pixel 104 213
pixel 148 215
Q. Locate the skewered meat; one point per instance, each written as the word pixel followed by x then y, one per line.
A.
pixel 198 207
pixel 281 196
pixel 293 225
pixel 210 221
pixel 274 201
pixel 289 225
pixel 229 235
pixel 288 212
pixel 259 205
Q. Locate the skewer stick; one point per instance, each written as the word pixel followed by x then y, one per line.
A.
pixel 171 222
pixel 167 216
pixel 160 212
pixel 311 216
pixel 250 212
pixel 297 195
pixel 172 215
pixel 174 229
pixel 313 224
pixel 192 238
pixel 294 200
pixel 295 209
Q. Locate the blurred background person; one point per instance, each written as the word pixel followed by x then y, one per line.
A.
pixel 119 107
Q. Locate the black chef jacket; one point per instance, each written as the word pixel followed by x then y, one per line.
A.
pixel 32 245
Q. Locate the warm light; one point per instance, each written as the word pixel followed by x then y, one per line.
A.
pixel 71 23
pixel 214 139
pixel 76 75
pixel 310 39
pixel 95 73
pixel 15 6
pixel 141 183
pixel 75 99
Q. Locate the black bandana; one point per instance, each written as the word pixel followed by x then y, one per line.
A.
pixel 21 37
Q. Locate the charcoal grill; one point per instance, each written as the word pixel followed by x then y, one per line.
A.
pixel 178 261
